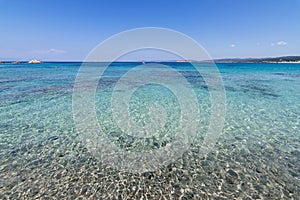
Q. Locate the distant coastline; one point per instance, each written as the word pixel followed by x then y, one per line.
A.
pixel 34 61
pixel 282 59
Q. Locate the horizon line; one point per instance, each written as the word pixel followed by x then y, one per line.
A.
pixel 160 60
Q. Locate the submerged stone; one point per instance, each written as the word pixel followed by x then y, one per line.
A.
pixel 232 173
pixel 52 138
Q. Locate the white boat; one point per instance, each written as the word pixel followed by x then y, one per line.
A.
pixel 34 62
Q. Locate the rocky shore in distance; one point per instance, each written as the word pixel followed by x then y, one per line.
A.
pixel 34 61
pixel 282 59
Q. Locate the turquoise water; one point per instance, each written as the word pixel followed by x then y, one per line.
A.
pixel 257 155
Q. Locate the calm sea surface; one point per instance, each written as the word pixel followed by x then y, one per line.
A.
pixel 257 156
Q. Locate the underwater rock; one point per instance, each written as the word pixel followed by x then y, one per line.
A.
pixel 296 153
pixel 52 138
pixel 232 173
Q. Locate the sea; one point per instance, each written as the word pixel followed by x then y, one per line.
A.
pixel 44 155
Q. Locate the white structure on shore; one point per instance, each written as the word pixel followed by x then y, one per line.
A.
pixel 34 62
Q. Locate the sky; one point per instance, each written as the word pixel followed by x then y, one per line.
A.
pixel 67 30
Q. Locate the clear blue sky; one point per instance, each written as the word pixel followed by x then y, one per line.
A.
pixel 68 30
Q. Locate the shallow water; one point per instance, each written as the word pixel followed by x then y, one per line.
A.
pixel 257 156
